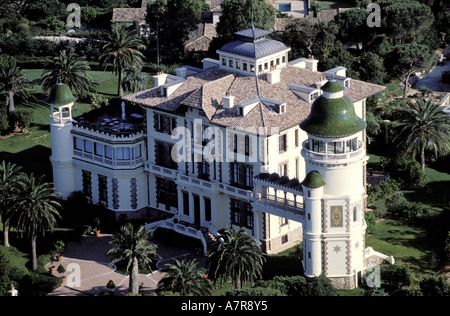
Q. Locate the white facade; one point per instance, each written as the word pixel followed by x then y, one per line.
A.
pixel 199 154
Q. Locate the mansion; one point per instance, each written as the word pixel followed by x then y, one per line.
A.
pixel 250 140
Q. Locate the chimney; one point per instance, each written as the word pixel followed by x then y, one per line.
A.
pixel 228 100
pixel 273 76
pixel 159 79
pixel 311 63
pixel 181 71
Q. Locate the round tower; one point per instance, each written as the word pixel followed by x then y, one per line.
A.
pixel 61 101
pixel 334 189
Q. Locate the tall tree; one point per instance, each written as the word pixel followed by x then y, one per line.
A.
pixel 184 277
pixel 10 177
pixel 173 20
pixel 406 59
pixel 406 21
pixel 121 50
pixel 12 81
pixel 134 247
pixel 235 256
pixel 238 15
pixel 423 124
pixel 70 69
pixel 36 210
pixel 353 28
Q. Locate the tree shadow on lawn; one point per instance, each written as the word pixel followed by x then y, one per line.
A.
pixel 34 160
pixel 436 194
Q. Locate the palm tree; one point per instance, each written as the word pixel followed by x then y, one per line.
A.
pixel 69 68
pixel 186 278
pixel 235 256
pixel 135 80
pixel 134 247
pixel 36 210
pixel 121 50
pixel 12 80
pixel 423 124
pixel 10 177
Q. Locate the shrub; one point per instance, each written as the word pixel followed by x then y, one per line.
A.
pixel 371 221
pixel 407 172
pixel 434 285
pixel 284 179
pixel 381 191
pixel 38 284
pixel 4 122
pixel 274 177
pixel 22 118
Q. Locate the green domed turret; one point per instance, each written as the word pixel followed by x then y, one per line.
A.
pixel 313 180
pixel 333 114
pixel 60 95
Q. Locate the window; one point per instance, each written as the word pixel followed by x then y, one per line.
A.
pixel 244 66
pixel 283 170
pixel 230 63
pixel 123 153
pixel 88 146
pixel 77 143
pixel 282 143
pixel 355 214
pixel 236 173
pixel 235 143
pixel 103 189
pixel 247 145
pixel 207 209
pixel 241 213
pixel 166 193
pixel 98 149
pixel 185 203
pixel 87 184
pixel 137 152
pixel 296 138
pixel 224 62
pixel 284 239
pixel 248 176
pixel 238 64
pixel 108 152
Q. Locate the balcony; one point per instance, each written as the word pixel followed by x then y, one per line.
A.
pixel 235 191
pixel 196 182
pixel 108 162
pixel 161 171
pixel 280 206
pixel 325 156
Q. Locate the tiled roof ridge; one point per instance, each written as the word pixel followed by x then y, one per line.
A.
pixel 214 82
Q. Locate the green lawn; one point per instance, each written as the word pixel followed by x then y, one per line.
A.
pixel 406 242
pixel 32 151
pixel 333 4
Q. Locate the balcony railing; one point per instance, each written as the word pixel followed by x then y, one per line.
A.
pixel 332 156
pixel 108 162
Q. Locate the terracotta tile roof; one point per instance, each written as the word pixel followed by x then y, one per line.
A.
pixel 205 91
pixel 128 15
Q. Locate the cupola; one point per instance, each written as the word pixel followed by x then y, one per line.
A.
pixel 333 114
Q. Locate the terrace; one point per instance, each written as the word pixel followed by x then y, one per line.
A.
pixel 112 122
